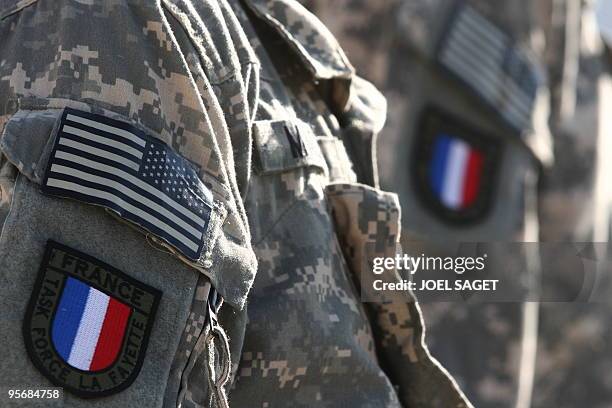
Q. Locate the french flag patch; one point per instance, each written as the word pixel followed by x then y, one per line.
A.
pixel 455 167
pixel 87 325
pixel 455 172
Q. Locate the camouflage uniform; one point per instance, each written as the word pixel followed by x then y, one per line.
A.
pixel 261 110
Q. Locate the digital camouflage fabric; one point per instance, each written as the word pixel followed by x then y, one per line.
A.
pixel 258 101
pixel 309 338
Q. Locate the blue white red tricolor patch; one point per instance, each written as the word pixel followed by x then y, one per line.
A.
pixel 113 164
pixel 87 324
pixel 455 171
pixel 455 167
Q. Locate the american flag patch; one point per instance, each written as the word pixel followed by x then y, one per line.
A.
pixel 485 59
pixel 112 164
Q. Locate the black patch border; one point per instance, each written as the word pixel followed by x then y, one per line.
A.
pixel 157 294
pixel 433 121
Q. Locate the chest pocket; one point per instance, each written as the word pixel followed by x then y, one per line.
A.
pixel 289 166
pixel 284 145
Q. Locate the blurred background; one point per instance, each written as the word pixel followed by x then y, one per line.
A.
pixel 499 130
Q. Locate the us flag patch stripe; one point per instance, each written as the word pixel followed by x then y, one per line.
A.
pixel 103 141
pixel 106 128
pixel 109 163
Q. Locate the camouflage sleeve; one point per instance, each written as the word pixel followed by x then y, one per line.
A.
pixel 103 93
pixel 471 86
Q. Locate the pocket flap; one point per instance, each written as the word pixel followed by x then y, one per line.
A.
pixel 284 145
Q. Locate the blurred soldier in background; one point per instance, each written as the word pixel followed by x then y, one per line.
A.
pixel 495 134
pixel 574 355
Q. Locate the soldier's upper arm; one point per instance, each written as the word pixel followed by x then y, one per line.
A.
pixel 121 229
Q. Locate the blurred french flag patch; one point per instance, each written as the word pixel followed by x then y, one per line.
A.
pixel 454 167
pixel 455 171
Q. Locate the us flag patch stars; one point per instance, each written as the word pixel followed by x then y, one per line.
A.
pixel 87 324
pixel 110 163
pixel 455 168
